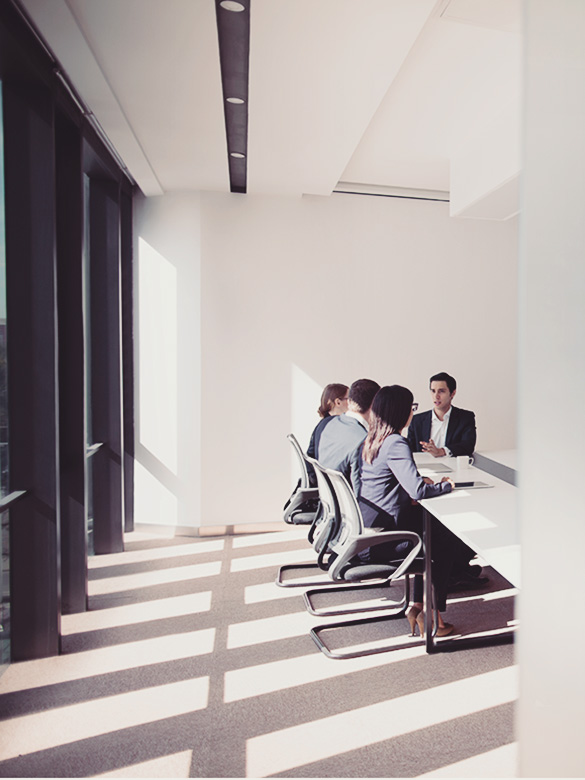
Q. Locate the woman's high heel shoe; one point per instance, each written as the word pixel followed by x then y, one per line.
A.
pixel 412 616
pixel 443 630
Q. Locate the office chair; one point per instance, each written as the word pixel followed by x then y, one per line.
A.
pixel 348 540
pixel 322 521
pixel 323 528
pixel 303 504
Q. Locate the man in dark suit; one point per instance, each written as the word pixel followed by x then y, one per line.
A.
pixel 341 441
pixel 445 429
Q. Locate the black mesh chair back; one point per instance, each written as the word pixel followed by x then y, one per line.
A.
pixel 303 504
pixel 301 459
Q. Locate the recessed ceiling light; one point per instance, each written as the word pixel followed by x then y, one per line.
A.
pixel 234 100
pixel 231 5
pixel 239 155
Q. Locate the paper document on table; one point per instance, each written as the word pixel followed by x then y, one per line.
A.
pixel 436 468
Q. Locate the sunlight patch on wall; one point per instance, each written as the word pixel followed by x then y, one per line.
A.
pixel 278 751
pixel 305 398
pixel 157 359
pixel 153 502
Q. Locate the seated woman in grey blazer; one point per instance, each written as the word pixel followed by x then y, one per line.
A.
pixel 333 402
pixel 391 487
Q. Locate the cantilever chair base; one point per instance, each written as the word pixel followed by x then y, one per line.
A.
pixel 321 584
pixel 351 608
pixel 300 583
pixel 452 644
pixel 340 654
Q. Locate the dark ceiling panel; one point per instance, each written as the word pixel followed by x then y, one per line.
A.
pixel 233 29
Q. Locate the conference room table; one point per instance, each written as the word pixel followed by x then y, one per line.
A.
pixel 485 518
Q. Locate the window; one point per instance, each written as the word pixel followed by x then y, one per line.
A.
pixel 4 535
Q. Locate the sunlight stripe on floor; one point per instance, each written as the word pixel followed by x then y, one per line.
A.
pixel 289 673
pixel 495 595
pixel 172 765
pixel 255 632
pixel 66 725
pixel 278 751
pixel 154 554
pixel 137 612
pixel 107 660
pixel 147 579
pixel 275 559
pixel 266 591
pixel 293 535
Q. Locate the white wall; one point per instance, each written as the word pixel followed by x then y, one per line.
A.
pixel 247 306
pixel 551 710
pixel 168 360
pixel 297 293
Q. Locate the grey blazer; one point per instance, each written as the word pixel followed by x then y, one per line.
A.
pixel 340 448
pixel 391 483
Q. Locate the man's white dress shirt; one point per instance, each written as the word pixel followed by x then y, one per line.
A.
pixel 439 430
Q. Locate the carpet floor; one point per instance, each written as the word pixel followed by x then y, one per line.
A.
pixel 192 662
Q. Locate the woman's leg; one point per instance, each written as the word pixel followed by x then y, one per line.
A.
pixel 446 550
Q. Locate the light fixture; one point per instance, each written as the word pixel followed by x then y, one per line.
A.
pixel 239 155
pixel 235 100
pixel 231 5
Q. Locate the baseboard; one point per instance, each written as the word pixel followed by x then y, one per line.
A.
pixel 204 531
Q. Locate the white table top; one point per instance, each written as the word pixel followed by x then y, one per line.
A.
pixel 505 457
pixel 486 519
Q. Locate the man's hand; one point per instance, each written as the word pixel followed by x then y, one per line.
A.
pixel 429 446
pixel 449 480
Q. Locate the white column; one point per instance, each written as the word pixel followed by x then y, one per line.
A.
pixel 551 649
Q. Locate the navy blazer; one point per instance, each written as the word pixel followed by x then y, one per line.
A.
pixel 313 447
pixel 461 433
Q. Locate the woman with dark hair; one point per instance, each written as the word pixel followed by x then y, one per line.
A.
pixel 333 402
pixel 391 488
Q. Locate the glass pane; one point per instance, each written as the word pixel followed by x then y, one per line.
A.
pixel 88 418
pixel 3 386
pixel 4 533
pixel 5 590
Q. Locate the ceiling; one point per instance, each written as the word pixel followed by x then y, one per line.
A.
pixel 371 96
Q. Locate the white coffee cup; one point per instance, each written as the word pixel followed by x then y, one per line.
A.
pixel 464 461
